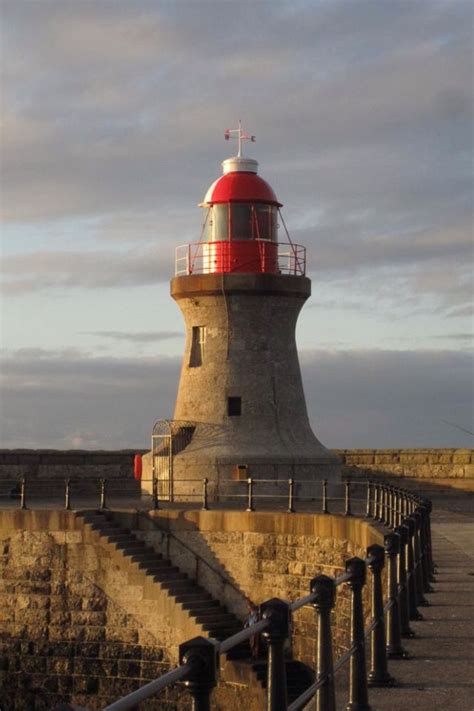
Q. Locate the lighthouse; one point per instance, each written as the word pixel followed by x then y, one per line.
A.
pixel 240 408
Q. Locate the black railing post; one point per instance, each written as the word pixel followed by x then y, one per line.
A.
pixel 103 494
pixel 394 640
pixel 368 506
pixel 67 494
pixel 205 504
pixel 376 501
pixel 413 612
pixel 325 590
pixel 405 629
pixel 381 502
pixel 428 505
pixel 23 494
pixel 420 598
pixel 399 507
pixel 358 691
pixel 291 496
pixel 325 509
pixel 425 563
pixel 347 507
pixel 203 655
pixel 385 518
pixel 249 494
pixel 277 612
pixel 393 517
pixel 154 493
pixel 378 675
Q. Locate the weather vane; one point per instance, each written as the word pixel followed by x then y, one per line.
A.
pixel 240 135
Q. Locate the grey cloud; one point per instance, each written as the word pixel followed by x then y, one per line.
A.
pixel 99 269
pixel 137 337
pixel 355 398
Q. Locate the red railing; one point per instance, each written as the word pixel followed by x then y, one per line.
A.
pixel 253 256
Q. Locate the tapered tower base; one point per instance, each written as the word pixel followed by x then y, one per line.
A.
pixel 241 384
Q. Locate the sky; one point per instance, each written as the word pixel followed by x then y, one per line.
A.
pixel 112 130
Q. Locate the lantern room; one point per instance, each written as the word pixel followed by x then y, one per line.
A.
pixel 240 225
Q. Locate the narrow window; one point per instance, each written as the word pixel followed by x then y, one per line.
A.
pixel 197 346
pixel 234 406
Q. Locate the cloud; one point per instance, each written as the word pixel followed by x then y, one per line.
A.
pixel 36 271
pixel 355 398
pixel 137 337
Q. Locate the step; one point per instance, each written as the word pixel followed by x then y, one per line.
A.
pixel 130 548
pixel 215 616
pixel 177 585
pixel 144 558
pixel 117 537
pixel 168 575
pixel 196 602
pixel 154 565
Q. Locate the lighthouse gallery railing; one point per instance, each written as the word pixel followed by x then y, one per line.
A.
pixel 200 258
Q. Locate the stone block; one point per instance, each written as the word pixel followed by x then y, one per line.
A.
pixel 462 456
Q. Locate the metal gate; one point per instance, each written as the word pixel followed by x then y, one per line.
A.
pixel 169 437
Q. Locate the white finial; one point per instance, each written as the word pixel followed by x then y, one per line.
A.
pixel 241 136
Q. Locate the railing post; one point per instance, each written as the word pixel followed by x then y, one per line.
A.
pixel 391 504
pixel 23 494
pixel 394 640
pixel 347 507
pixel 368 507
pixel 204 656
pixel 425 564
pixel 325 497
pixel 358 692
pixel 103 494
pixel 67 494
pixel 325 590
pixel 381 503
pixel 378 675
pixel 432 566
pixel 250 494
pixel 399 507
pixel 421 600
pixel 205 505
pixel 405 629
pixel 385 505
pixel 277 612
pixel 291 495
pixel 413 612
pixel 154 493
pixel 376 501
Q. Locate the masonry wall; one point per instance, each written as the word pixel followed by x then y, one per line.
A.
pixel 447 467
pixel 236 555
pixel 77 624
pixel 444 467
pixel 69 628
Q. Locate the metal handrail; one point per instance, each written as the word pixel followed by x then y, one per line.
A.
pixel 198 257
pixel 215 570
pixel 355 576
pixel 150 689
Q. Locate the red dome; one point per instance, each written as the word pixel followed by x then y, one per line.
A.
pixel 240 187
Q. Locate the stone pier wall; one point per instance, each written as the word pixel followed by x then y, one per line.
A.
pixel 77 625
pixel 444 467
pixel 237 555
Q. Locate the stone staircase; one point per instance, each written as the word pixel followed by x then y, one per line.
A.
pixel 215 620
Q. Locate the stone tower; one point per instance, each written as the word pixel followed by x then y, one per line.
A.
pixel 240 393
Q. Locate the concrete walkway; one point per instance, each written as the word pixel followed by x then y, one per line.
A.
pixel 440 676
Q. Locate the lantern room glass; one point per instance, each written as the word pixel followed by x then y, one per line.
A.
pixel 240 221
